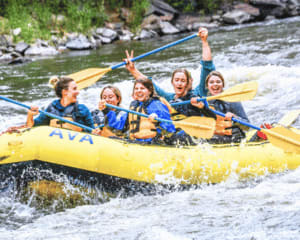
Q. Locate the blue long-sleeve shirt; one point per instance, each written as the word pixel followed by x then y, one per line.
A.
pixel 79 113
pixel 207 67
pixel 114 119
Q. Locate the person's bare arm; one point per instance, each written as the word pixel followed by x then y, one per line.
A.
pixel 131 67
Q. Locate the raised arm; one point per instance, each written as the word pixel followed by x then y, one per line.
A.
pixel 206 63
pixel 130 66
pixel 206 52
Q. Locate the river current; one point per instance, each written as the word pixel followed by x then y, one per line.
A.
pixel 260 209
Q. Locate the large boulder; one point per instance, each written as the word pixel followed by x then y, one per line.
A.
pixel 161 8
pixel 270 3
pixel 21 47
pixel 236 17
pixel 294 7
pixel 254 12
pixel 277 8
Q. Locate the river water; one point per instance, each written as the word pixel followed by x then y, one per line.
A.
pixel 260 209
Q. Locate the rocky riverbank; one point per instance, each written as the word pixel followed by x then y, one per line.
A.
pixel 161 19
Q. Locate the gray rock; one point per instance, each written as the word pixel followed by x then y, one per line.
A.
pixel 109 33
pixel 277 8
pixel 79 43
pixel 168 28
pixel 236 17
pixel 145 34
pixel 16 54
pixel 6 57
pixel 181 28
pixel 161 8
pixel 216 17
pixel 279 12
pixel 272 3
pixel 253 11
pixel 10 49
pixel 61 48
pixel 124 37
pixel 99 31
pixel 42 51
pixel 21 47
pixel 105 40
pixel 19 60
pixel 270 18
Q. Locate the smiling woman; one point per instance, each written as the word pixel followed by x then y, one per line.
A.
pixel 113 120
pixel 145 101
pixel 66 106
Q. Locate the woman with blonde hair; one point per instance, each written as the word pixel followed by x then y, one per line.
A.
pixel 113 121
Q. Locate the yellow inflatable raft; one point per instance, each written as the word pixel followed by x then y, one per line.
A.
pixel 106 161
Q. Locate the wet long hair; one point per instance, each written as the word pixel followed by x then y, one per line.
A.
pixel 115 90
pixel 60 83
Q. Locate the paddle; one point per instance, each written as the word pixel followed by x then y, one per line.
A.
pixel 278 136
pixel 48 114
pixel 200 127
pixel 89 76
pixel 289 118
pixel 241 92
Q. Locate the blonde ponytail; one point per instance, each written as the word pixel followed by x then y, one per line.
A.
pixel 53 81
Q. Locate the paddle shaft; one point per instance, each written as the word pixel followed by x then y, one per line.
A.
pixel 241 92
pixel 137 113
pixel 48 114
pixel 156 50
pixel 236 120
pixel 187 102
